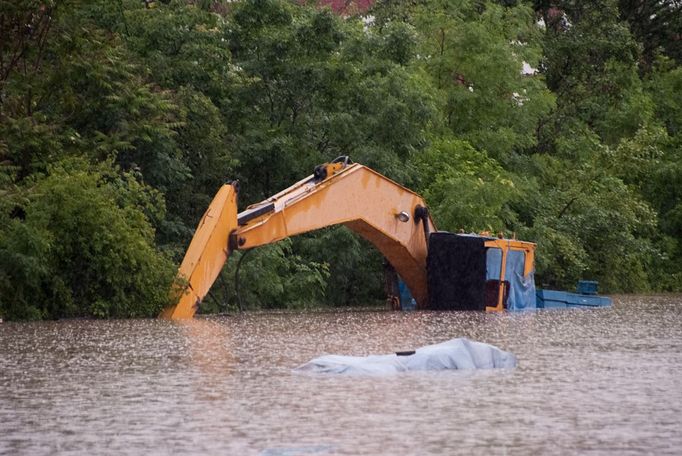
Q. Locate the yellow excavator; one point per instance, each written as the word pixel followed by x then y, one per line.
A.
pixel 442 270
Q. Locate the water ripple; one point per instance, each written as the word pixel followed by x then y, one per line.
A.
pixel 589 382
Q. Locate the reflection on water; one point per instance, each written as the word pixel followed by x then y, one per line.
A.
pixel 605 381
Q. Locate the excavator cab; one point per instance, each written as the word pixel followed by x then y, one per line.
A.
pixel 440 270
pixel 480 272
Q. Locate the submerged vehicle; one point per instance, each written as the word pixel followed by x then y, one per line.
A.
pixel 440 270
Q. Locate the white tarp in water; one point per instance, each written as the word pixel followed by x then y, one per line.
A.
pixel 459 353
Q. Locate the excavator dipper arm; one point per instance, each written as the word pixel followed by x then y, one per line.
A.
pixel 388 215
pixel 207 253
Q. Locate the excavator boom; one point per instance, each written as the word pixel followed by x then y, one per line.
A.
pixel 391 217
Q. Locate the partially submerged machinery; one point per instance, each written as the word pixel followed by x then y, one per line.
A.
pixel 443 271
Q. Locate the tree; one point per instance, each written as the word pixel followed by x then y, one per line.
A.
pixel 476 54
pixel 81 245
pixel 556 120
pixel 657 25
pixel 466 189
pixel 591 64
pixel 315 87
pixel 588 223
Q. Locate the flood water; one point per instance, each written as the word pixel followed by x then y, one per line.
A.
pixel 603 381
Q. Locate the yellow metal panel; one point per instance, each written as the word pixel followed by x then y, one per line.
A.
pixel 206 254
pixel 505 245
pixel 364 201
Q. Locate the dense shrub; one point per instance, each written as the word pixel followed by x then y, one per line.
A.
pixel 82 246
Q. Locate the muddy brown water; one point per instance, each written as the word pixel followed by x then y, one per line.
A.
pixel 606 381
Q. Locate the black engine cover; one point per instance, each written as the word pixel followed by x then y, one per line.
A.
pixel 456 269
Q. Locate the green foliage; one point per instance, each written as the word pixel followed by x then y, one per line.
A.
pixel 183 45
pixel 592 66
pixel 466 189
pixel 665 85
pixel 588 223
pixel 355 267
pixel 270 277
pixel 314 86
pixel 475 55
pixel 120 120
pixel 657 26
pixel 83 247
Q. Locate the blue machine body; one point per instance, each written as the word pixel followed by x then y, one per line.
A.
pixel 407 302
pixel 587 287
pixel 552 299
